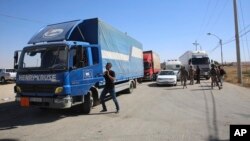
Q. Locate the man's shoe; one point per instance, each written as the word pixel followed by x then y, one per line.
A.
pixel 117 111
pixel 103 110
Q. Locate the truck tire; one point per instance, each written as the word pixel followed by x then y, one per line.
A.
pixel 135 84
pixel 154 77
pixel 139 80
pixel 3 80
pixel 131 87
pixel 88 103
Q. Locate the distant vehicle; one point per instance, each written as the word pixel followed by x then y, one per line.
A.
pixel 197 58
pixel 7 75
pixel 166 77
pixel 152 65
pixel 173 65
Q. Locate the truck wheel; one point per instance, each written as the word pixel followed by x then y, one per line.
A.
pixel 88 103
pixel 131 87
pixel 135 84
pixel 154 77
pixel 139 80
pixel 3 80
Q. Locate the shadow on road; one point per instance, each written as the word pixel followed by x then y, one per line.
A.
pixel 9 140
pixel 211 115
pixel 152 85
pixel 175 88
pixel 155 85
pixel 13 115
pixel 6 83
pixel 207 89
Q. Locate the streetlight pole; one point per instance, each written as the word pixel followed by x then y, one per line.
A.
pixel 221 52
pixel 220 41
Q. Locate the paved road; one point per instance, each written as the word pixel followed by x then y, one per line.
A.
pixel 150 113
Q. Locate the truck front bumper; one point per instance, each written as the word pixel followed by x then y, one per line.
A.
pixel 45 102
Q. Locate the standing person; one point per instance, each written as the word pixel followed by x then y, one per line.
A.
pixel 214 79
pixel 198 71
pixel 222 73
pixel 184 76
pixel 109 76
pixel 217 74
pixel 181 75
pixel 191 75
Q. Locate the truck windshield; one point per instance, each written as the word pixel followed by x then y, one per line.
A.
pixel 197 61
pixel 41 58
pixel 146 65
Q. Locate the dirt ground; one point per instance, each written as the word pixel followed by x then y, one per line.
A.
pixel 231 75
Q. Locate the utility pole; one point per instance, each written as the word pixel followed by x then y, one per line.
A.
pixel 221 52
pixel 196 44
pixel 237 43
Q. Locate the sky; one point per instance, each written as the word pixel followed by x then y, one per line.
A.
pixel 168 27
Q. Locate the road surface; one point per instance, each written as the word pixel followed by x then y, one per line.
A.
pixel 149 113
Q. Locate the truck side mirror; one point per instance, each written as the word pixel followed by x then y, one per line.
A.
pixel 16 57
pixel 16 67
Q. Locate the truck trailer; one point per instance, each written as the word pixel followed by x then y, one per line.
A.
pixel 196 58
pixel 152 65
pixel 63 64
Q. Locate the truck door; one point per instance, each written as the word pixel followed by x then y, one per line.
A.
pixel 84 69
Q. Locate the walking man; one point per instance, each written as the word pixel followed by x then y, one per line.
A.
pixel 222 73
pixel 109 76
pixel 214 78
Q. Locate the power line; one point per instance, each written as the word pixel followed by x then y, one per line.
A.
pixel 204 19
pixel 21 18
pixel 219 15
pixel 243 20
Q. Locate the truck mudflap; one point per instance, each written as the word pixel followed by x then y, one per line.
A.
pixel 56 103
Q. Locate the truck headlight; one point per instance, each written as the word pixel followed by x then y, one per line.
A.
pixel 59 90
pixel 17 89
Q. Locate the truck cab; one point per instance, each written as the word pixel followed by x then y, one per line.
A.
pixel 55 71
pixel 152 65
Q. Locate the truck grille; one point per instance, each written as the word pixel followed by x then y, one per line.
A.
pixel 38 88
pixel 205 69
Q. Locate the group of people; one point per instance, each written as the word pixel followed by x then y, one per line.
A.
pixel 185 75
pixel 216 73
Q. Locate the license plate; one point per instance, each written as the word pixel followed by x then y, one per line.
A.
pixel 34 99
pixel 25 102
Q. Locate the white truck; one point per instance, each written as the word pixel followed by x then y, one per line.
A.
pixel 197 58
pixel 7 75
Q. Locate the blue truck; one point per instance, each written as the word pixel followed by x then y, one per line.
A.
pixel 63 64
